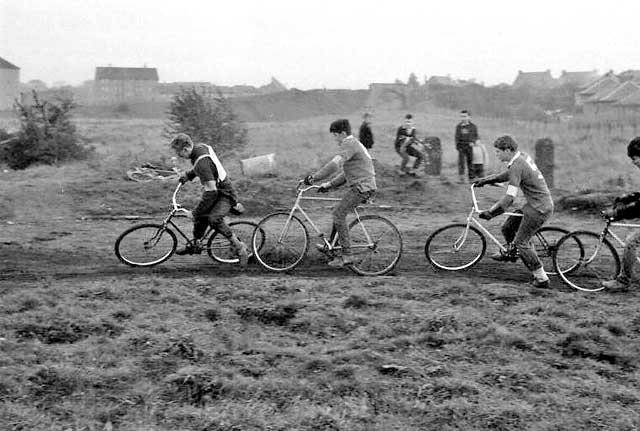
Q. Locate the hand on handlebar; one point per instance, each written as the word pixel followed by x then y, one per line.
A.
pixel 183 179
pixel 609 213
pixel 324 187
pixel 308 180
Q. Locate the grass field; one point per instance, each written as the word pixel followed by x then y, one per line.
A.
pixel 87 343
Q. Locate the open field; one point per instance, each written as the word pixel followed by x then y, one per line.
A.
pixel 87 343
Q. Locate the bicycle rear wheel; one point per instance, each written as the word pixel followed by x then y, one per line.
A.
pixel 220 249
pixel 454 247
pixel 544 243
pixel 583 261
pixel 284 243
pixel 376 245
pixel 145 245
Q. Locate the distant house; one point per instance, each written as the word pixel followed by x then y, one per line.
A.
pixel 577 79
pixel 113 85
pixel 599 88
pixel 604 100
pixel 534 80
pixel 628 105
pixel 9 84
pixel 630 75
pixel 443 81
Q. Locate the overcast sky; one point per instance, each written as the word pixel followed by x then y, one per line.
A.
pixel 316 44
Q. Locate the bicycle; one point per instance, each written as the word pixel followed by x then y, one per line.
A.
pixel 149 244
pixel 459 246
pixel 376 243
pixel 590 255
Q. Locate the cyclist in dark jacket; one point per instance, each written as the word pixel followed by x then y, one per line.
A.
pixel 625 207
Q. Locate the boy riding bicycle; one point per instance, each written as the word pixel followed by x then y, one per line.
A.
pixel 626 207
pixel 523 174
pixel 218 197
pixel 359 175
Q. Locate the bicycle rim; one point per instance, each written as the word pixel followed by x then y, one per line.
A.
pixel 583 261
pixel 220 249
pixel 145 245
pixel 376 245
pixel 455 247
pixel 284 243
pixel 544 243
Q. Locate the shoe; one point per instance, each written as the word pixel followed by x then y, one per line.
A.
pixel 193 247
pixel 339 262
pixel 540 284
pixel 501 256
pixel 615 285
pixel 243 254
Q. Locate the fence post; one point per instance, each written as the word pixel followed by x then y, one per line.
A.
pixel 434 153
pixel 544 159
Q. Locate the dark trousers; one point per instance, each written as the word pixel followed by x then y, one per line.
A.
pixel 477 170
pixel 215 219
pixel 520 230
pixel 351 200
pixel 464 159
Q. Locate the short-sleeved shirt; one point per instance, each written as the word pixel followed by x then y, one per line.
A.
pixel 524 174
pixel 358 165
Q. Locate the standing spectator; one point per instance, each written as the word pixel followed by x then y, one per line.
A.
pixel 466 134
pixel 479 158
pixel 405 134
pixel 366 135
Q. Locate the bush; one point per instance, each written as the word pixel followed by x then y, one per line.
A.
pixel 207 120
pixel 46 135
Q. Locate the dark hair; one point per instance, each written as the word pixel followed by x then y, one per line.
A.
pixel 465 111
pixel 408 116
pixel 633 149
pixel 339 126
pixel 506 142
pixel 180 141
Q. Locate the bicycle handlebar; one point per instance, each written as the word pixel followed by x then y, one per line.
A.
pixel 176 206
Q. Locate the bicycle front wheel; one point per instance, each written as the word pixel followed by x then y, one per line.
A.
pixel 280 242
pixel 544 243
pixel 220 249
pixel 145 245
pixel 454 247
pixel 583 260
pixel 376 245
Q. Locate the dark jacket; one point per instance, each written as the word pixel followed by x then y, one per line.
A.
pixel 402 134
pixel 366 135
pixel 466 134
pixel 627 206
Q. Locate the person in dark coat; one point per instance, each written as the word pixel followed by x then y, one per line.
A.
pixel 366 135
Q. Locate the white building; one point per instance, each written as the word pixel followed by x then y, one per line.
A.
pixel 9 84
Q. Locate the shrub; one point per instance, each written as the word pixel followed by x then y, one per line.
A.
pixel 210 120
pixel 46 135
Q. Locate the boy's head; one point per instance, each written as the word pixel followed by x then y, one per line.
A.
pixel 340 126
pixel 366 116
pixel 633 151
pixel 408 120
pixel 182 145
pixel 465 115
pixel 505 146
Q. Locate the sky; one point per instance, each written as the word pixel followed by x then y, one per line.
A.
pixel 317 44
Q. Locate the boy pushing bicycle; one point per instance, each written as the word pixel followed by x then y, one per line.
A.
pixel 218 197
pixel 355 162
pixel 522 173
pixel 625 207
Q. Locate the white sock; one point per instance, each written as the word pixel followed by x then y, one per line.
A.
pixel 540 275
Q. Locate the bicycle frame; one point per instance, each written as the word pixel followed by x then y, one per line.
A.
pixel 471 220
pixel 607 231
pixel 331 245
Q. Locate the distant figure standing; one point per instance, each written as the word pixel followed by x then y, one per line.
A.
pixel 366 135
pixel 479 158
pixel 404 136
pixel 466 134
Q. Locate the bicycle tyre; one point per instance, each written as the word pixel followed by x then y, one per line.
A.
pixel 131 246
pixel 372 258
pixel 219 247
pixel 274 254
pixel 544 243
pixel 591 258
pixel 439 247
